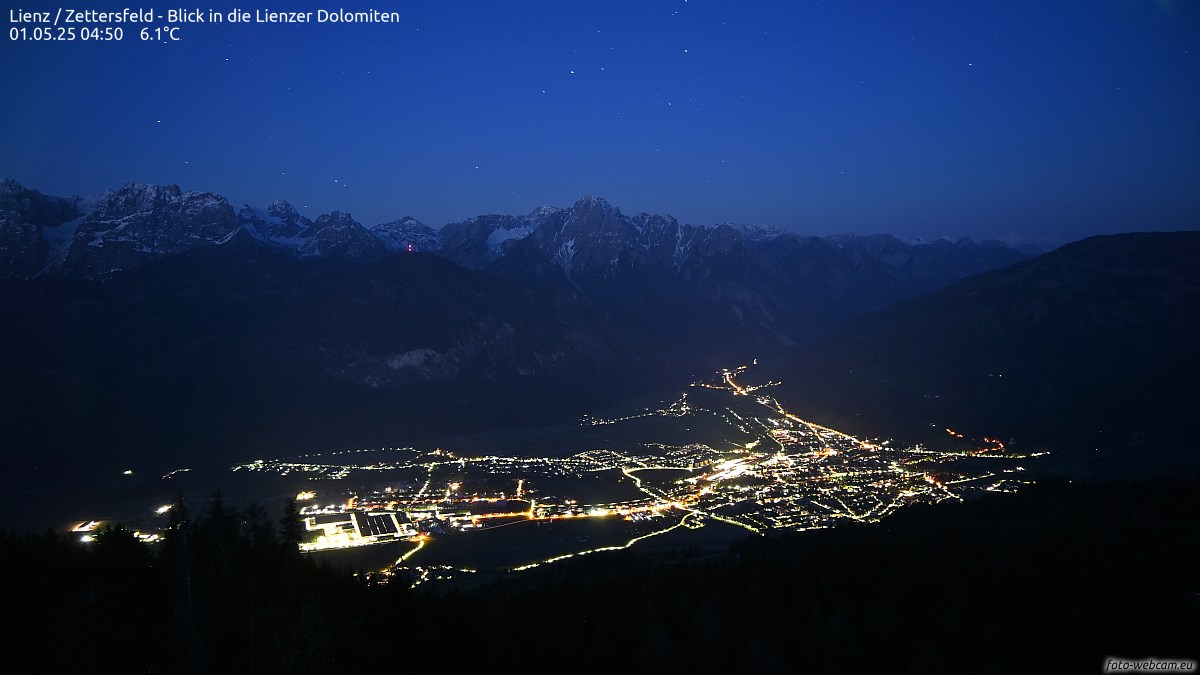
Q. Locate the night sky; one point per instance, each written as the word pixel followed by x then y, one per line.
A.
pixel 1057 119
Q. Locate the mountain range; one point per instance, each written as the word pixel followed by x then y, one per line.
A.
pixel 1088 349
pixel 776 287
pixel 166 323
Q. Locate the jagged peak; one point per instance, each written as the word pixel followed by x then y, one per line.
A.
pixel 281 208
pixel 406 221
pixel 757 231
pixel 544 211
pixel 135 188
pixel 9 187
pixel 337 218
pixel 644 218
pixel 145 198
pixel 852 238
pixel 590 201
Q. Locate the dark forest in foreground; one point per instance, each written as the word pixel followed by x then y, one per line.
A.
pixel 1051 580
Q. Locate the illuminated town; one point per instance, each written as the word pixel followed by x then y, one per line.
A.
pixel 751 465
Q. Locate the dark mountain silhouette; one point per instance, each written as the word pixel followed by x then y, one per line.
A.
pixel 151 322
pixel 1091 346
pixel 230 348
pixel 764 287
pixel 758 287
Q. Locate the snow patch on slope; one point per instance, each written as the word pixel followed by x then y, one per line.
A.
pixel 500 236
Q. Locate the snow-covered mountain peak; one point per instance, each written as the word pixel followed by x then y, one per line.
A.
pixel 141 222
pixel 589 204
pixel 278 225
pixel 407 234
pixel 544 212
pixel 284 211
pixel 336 219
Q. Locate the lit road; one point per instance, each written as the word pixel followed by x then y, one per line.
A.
pixel 747 462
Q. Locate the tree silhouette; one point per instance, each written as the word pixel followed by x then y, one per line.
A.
pixel 290 529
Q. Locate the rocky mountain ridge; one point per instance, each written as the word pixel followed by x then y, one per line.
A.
pixel 745 284
pixel 157 220
pixel 150 318
pixel 1090 348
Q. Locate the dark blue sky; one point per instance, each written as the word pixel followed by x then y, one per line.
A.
pixel 1058 119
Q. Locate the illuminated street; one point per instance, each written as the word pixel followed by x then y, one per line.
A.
pixel 748 463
